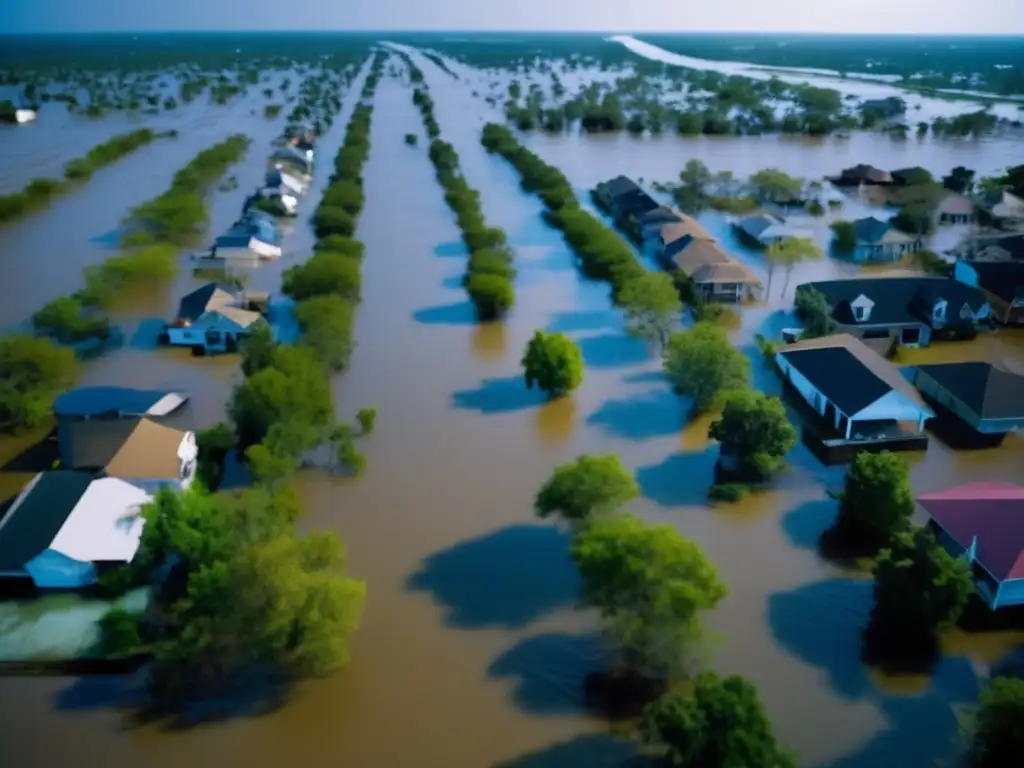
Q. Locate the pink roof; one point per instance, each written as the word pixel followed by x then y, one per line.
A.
pixel 992 512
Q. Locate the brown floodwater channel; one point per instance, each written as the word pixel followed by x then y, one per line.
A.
pixel 471 651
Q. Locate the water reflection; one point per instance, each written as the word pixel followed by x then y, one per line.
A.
pixel 653 413
pixel 555 421
pixel 499 396
pixel 456 313
pixel 548 671
pixel 490 341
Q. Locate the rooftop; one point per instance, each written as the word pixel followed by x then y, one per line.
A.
pixel 990 392
pixel 150 450
pixel 117 401
pixel 211 296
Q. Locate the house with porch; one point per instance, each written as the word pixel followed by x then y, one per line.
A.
pixel 1003 284
pixel 65 528
pixel 214 318
pixel 878 240
pixel 956 209
pixel 685 246
pixel 860 398
pixel 983 523
pixel 910 309
pixel 987 400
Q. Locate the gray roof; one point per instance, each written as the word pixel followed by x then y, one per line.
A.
pixel 32 523
pixel 897 300
pixel 619 186
pixel 989 392
pixel 110 401
pixel 194 305
pixel 870 229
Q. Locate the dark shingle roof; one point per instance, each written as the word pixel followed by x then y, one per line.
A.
pixel 635 203
pixel 839 376
pixel 897 299
pixel 92 443
pixel 31 525
pixel 1004 279
pixel 870 230
pixel 619 186
pixel 1013 245
pixel 193 305
pixel 988 391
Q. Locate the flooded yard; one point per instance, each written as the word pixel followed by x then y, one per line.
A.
pixel 471 651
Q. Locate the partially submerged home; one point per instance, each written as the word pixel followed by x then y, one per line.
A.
pixel 1003 284
pixel 689 248
pixel 987 399
pixel 66 527
pixel 878 240
pixel 1002 210
pixel 861 398
pixel 651 222
pixel 282 189
pixel 623 197
pixel 861 175
pixel 142 452
pixel 254 236
pixel 984 523
pixel 1006 248
pixel 214 318
pixel 293 160
pixel 910 309
pixel 888 108
pixel 763 229
pixel 956 209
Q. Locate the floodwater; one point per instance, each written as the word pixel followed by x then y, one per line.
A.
pixel 471 651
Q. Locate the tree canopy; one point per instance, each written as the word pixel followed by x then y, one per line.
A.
pixel 755 434
pixel 721 724
pixel 774 185
pixel 787 252
pixel 553 362
pixel 650 584
pixel 702 363
pixel 877 501
pixel 814 311
pixel 32 373
pixel 651 304
pixel 997 738
pixel 587 487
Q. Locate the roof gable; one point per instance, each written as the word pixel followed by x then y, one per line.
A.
pixel 201 300
pixel 991 393
pixel 37 515
pixel 870 229
pixel 898 300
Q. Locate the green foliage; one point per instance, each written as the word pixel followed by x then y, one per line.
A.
pixel 327 324
pixel 492 295
pixel 344 194
pixel 845 238
pixel 249 592
pixel 702 364
pixel 650 584
pixel 66 320
pixel 730 492
pixel 920 590
pixel 490 261
pixel 917 203
pixel 774 185
pixel 411 139
pixel 367 419
pixel 32 373
pixel 651 304
pixel 933 264
pixel 877 502
pixel 331 220
pixel 755 435
pixel 997 739
pixel 325 272
pixel 787 253
pixel 553 362
pixel 258 349
pixel 119 633
pixel 213 444
pixel 583 489
pixel 339 244
pixel 814 311
pixel 721 724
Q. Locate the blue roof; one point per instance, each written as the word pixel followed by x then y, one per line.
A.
pixel 94 401
pixel 870 230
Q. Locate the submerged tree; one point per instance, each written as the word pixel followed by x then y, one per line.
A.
pixel 755 435
pixel 651 303
pixel 585 488
pixel 701 363
pixel 997 738
pixel 787 252
pixel 553 362
pixel 32 373
pixel 877 502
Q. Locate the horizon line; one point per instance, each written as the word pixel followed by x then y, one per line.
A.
pixel 661 32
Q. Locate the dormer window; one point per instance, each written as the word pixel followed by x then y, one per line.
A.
pixel 861 308
pixel 939 311
pixel 860 314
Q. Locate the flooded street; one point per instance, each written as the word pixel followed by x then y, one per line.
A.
pixel 471 652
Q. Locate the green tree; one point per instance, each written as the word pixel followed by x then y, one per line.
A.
pixel 701 363
pixel 917 204
pixel 492 295
pixel 877 502
pixel 553 362
pixel 691 194
pixel 845 236
pixel 755 435
pixel 650 584
pixel 322 273
pixel 787 252
pixel 331 220
pixel 814 311
pixel 920 590
pixel 327 324
pixel 959 180
pixel 32 373
pixel 721 724
pixel 773 185
pixel 258 348
pixel 651 303
pixel 997 738
pixel 582 489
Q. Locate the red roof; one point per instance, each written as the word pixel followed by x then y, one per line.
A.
pixel 992 512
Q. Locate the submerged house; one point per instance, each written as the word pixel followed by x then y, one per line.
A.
pixel 907 308
pixel 66 527
pixel 282 189
pixel 988 400
pixel 765 229
pixel 888 108
pixel 860 396
pixel 255 235
pixel 956 209
pixel 1003 284
pixel 860 175
pixel 1006 248
pixel 1002 210
pixel 878 240
pixel 293 160
pixel 687 247
pixel 624 198
pixel 214 319
pixel 984 523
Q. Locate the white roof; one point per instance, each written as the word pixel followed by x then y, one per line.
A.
pixel 167 404
pixel 105 524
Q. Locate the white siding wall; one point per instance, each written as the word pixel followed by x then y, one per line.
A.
pixel 893 405
pixel 807 390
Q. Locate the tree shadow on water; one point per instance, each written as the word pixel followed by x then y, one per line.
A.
pixel 805 524
pixel 655 413
pixel 682 479
pixel 147 333
pixel 613 350
pixel 596 750
pixel 549 671
pixel 583 320
pixel 459 313
pixel 455 248
pixel 506 578
pixel 821 624
pixel 498 396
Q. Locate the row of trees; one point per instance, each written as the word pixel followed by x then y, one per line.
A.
pixel 651 586
pixel 149 252
pixel 39 192
pixel 489 272
pixel 239 591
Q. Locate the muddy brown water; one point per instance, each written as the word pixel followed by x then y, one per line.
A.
pixel 471 651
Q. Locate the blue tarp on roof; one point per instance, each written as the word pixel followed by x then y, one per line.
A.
pixel 93 401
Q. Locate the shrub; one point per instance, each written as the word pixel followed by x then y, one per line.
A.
pixel 731 492
pixel 330 220
pixel 492 295
pixel 325 272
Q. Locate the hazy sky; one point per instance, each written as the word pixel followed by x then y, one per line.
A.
pixel 877 16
